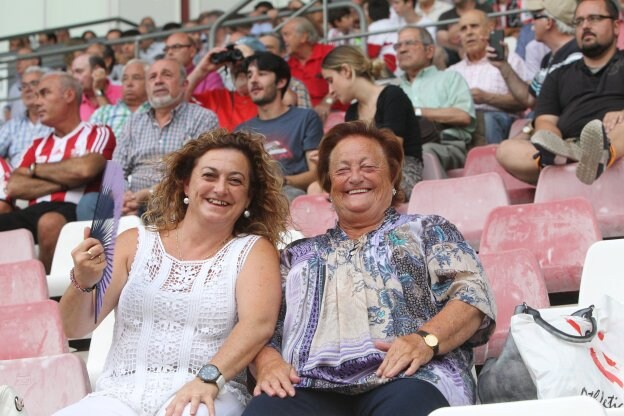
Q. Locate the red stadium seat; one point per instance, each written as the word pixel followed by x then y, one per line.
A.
pixel 606 194
pixel 558 233
pixel 17 245
pixel 515 277
pixel 465 201
pixel 333 118
pixel 22 282
pixel 31 330
pixel 312 214
pixel 432 169
pixel 46 384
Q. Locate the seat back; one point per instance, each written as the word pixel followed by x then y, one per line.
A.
pixel 603 272
pixel 71 235
pixel 22 282
pixel 558 233
pixel 46 384
pixel 312 214
pixel 515 277
pixel 333 118
pixel 473 197
pixel 17 245
pixel 482 159
pixel 432 169
pixel 606 194
pixel 31 330
pixel 573 406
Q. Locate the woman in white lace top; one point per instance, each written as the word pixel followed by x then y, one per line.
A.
pixel 196 292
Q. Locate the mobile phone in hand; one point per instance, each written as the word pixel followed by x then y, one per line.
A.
pixel 496 41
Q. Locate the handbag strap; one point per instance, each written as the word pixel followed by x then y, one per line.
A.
pixel 586 313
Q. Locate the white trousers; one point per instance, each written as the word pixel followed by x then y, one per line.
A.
pixel 226 405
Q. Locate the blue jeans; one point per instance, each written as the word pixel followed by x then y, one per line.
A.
pixel 497 125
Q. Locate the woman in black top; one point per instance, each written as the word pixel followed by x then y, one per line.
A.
pixel 350 76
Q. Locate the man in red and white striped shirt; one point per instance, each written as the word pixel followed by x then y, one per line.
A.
pixel 5 201
pixel 57 170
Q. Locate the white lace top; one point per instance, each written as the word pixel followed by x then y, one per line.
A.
pixel 172 317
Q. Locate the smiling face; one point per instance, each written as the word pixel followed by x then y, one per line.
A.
pixel 361 187
pixel 165 86
pixel 218 189
pixel 262 85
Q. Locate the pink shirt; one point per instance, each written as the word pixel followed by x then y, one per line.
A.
pixel 113 94
pixel 212 81
pixel 485 76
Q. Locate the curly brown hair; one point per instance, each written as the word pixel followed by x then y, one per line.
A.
pixel 269 207
pixel 389 142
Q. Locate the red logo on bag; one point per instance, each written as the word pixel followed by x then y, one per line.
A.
pixel 611 363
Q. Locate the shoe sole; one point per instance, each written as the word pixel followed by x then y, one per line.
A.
pixel 555 144
pixel 592 150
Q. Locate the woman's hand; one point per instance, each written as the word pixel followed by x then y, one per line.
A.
pixel 193 392
pixel 89 261
pixel 407 353
pixel 276 377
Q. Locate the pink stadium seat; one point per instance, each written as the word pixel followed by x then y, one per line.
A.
pixel 517 126
pixel 432 169
pixel 46 384
pixel 22 282
pixel 334 118
pixel 558 233
pixel 31 330
pixel 515 277
pixel 465 201
pixel 17 245
pixel 312 214
pixel 482 159
pixel 606 194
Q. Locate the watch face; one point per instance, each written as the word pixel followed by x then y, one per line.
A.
pixel 431 340
pixel 209 373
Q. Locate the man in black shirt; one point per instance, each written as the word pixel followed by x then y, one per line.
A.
pixel 581 102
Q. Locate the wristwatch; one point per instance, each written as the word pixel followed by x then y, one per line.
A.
pixel 99 93
pixel 418 111
pixel 431 340
pixel 31 169
pixel 211 374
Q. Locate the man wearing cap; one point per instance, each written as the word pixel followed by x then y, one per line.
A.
pixel 552 23
pixel 581 102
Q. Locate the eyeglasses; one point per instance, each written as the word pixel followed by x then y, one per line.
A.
pixel 409 42
pixel 176 46
pixel 592 19
pixel 537 16
pixel 32 85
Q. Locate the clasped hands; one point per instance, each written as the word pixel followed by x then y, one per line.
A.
pixel 407 353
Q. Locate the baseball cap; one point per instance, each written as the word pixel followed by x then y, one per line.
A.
pixel 559 9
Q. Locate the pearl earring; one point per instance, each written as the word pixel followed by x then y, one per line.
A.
pixel 185 200
pixel 394 191
pixel 246 213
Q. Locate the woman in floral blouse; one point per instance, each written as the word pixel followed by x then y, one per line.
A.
pixel 380 314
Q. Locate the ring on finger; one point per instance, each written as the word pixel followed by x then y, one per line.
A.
pixel 100 259
pixel 90 253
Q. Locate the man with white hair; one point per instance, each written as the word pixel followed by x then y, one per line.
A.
pixel 148 136
pixel 57 169
pixel 133 98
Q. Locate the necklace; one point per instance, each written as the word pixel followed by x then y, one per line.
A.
pixel 212 253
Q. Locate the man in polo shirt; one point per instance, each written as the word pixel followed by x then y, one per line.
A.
pixel 305 58
pixel 440 98
pixel 164 128
pixel 581 102
pixel 97 90
pixel 57 169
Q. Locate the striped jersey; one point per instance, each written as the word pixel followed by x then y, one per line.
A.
pixel 5 172
pixel 85 138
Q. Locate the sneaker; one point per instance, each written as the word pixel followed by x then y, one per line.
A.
pixel 553 150
pixel 595 152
